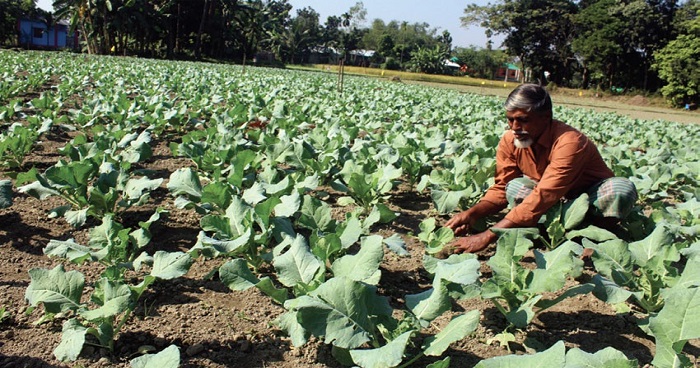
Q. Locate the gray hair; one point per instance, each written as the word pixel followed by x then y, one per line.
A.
pixel 529 97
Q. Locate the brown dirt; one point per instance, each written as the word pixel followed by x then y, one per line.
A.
pixel 638 101
pixel 216 327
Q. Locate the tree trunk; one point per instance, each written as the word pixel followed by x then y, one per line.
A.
pixel 106 35
pixel 198 44
pixel 170 40
pixel 83 31
pixel 177 29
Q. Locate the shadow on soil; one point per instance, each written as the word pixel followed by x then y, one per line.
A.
pixel 176 292
pixel 25 238
pixel 21 361
pixel 227 353
pixel 592 332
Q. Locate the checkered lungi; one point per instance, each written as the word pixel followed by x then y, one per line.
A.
pixel 612 197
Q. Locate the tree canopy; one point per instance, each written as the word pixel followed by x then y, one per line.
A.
pixel 678 63
pixel 601 43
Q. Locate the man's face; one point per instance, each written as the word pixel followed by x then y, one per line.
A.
pixel 527 126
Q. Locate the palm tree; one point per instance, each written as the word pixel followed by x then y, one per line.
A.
pixel 80 15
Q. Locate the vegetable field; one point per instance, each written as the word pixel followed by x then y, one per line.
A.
pixel 202 215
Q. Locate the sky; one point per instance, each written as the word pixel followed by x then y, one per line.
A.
pixel 443 15
pixel 45 4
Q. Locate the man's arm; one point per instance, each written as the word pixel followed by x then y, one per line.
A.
pixel 495 198
pixel 475 243
pixel 463 221
pixel 493 202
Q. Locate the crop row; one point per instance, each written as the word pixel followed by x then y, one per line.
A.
pixel 266 148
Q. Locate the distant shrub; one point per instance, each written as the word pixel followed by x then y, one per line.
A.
pixel 391 64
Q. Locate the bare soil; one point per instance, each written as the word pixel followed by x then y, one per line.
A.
pixel 216 327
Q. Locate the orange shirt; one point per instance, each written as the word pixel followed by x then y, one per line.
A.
pixel 563 161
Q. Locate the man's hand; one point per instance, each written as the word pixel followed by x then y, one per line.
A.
pixel 474 243
pixel 461 223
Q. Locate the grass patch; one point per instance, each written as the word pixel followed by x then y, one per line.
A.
pixel 408 76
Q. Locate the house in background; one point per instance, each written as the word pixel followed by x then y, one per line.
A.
pixel 508 72
pixel 35 34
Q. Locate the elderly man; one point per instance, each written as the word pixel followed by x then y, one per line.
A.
pixel 539 161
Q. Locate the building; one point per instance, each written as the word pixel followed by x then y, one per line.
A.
pixel 35 34
pixel 508 72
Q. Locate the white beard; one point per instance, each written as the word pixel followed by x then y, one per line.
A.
pixel 523 143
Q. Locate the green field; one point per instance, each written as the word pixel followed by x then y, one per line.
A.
pixel 307 196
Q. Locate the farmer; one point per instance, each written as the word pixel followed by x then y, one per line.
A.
pixel 539 162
